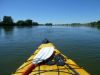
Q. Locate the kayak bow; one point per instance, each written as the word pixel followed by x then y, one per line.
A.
pixel 48 60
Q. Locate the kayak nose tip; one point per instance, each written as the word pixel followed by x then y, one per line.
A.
pixel 45 41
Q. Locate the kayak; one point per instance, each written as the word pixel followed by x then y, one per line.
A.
pixel 49 60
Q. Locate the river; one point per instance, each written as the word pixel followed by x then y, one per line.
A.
pixel 82 44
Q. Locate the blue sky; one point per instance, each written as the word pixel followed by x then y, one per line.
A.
pixel 55 11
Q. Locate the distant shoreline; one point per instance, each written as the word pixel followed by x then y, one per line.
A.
pixel 8 21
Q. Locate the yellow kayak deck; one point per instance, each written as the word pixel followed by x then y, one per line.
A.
pixel 69 67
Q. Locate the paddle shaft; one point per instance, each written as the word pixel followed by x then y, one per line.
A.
pixel 29 69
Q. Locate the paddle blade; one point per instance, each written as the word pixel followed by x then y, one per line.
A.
pixel 43 54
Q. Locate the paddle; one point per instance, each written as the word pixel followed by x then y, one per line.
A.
pixel 42 55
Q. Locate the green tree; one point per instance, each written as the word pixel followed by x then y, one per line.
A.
pixel 28 22
pixel 98 24
pixel 93 24
pixel 48 24
pixel 7 20
pixel 35 24
pixel 20 23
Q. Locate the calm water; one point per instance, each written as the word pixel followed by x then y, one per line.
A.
pixel 82 44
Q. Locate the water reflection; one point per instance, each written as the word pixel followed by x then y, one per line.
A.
pixel 8 30
pixel 98 27
pixel 23 26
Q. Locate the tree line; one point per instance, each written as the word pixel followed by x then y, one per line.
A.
pixel 91 24
pixel 95 24
pixel 8 21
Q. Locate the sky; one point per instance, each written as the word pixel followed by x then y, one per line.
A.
pixel 51 11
